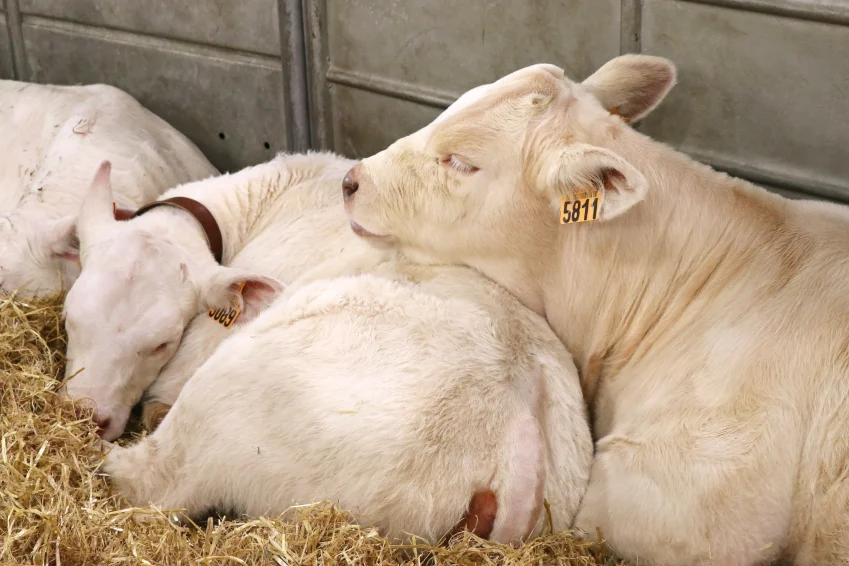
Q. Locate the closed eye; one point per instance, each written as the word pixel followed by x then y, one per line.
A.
pixel 458 164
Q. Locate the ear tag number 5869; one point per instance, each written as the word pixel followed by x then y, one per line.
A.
pixel 226 316
pixel 582 208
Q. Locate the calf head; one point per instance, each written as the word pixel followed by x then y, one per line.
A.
pixel 38 256
pixel 138 289
pixel 487 178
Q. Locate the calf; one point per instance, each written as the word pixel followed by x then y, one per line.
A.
pixel 707 316
pixel 51 142
pixel 409 395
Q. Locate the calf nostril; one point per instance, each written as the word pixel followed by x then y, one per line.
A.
pixel 349 185
pixel 102 424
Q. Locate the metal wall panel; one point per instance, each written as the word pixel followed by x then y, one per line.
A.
pixel 759 95
pixel 368 122
pixel 227 104
pixel 247 25
pixel 429 52
pixel 229 75
pixel 6 68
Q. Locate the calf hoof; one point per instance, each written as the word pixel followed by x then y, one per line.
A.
pixel 153 413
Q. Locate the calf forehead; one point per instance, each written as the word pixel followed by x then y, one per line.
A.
pixel 543 79
pixel 125 276
pixel 132 309
pixel 482 105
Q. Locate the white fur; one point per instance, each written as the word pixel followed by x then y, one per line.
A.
pixel 397 393
pixel 707 317
pixel 52 140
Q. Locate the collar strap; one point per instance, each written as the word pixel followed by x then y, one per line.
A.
pixel 121 213
pixel 197 210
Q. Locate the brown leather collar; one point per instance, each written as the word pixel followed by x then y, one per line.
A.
pixel 121 213
pixel 197 210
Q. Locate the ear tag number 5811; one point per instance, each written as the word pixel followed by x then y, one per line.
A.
pixel 226 316
pixel 582 208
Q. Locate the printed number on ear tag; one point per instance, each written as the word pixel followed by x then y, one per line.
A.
pixel 226 316
pixel 582 208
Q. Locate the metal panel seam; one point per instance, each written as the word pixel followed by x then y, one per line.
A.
pixel 831 12
pixel 151 41
pixel 16 40
pixel 782 180
pixel 293 57
pixel 316 56
pixel 399 89
pixel 630 22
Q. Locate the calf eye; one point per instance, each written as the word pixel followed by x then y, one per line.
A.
pixel 458 164
pixel 159 349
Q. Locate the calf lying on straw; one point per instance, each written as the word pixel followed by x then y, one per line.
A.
pixel 55 509
pixel 408 394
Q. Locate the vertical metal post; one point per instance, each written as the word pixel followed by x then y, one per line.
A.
pixel 296 105
pixel 319 88
pixel 630 34
pixel 16 40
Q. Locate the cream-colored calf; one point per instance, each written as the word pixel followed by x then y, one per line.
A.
pixel 400 394
pixel 709 318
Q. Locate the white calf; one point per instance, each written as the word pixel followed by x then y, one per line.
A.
pixel 402 394
pixel 707 316
pixel 52 140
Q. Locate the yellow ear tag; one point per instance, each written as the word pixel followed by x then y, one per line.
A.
pixel 582 208
pixel 226 316
pixel 615 112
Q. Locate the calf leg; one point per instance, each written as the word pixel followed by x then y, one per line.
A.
pixel 657 502
pixel 152 470
pixel 510 512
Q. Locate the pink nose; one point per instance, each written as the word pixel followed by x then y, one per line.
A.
pixel 102 424
pixel 350 184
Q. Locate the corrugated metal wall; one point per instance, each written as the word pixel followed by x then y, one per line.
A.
pixel 762 94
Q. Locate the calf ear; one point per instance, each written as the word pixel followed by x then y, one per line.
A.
pixel 222 289
pixel 632 85
pixel 96 210
pixel 581 167
pixel 62 239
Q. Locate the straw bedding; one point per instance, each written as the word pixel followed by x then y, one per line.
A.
pixel 56 509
